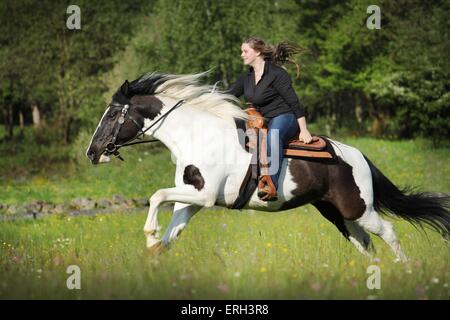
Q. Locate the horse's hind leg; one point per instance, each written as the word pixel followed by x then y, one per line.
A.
pixel 182 213
pixel 360 238
pixel 372 222
pixel 349 229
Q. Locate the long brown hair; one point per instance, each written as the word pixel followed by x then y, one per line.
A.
pixel 279 54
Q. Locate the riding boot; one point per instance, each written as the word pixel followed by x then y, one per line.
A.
pixel 266 189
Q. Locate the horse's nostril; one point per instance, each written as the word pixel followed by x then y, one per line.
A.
pixel 90 154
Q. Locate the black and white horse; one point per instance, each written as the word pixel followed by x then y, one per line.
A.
pixel 197 124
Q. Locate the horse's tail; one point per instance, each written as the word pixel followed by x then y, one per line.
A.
pixel 418 208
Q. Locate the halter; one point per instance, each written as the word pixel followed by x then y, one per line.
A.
pixel 113 148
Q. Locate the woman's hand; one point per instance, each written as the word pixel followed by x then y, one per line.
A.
pixel 305 136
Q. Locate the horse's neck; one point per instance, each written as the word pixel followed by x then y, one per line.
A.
pixel 189 133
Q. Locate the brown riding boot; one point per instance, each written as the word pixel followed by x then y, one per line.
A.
pixel 266 189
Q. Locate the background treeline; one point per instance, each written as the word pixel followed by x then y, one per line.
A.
pixel 393 82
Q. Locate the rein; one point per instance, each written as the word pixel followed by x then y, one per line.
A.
pixel 113 149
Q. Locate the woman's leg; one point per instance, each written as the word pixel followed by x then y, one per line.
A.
pixel 281 129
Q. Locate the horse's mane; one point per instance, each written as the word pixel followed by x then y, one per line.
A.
pixel 187 87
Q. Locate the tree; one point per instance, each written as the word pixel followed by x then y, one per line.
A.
pixel 60 68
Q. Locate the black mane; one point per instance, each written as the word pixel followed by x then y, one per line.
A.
pixel 144 85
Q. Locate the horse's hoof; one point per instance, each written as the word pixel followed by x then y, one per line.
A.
pixel 155 248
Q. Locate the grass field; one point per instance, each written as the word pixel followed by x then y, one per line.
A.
pixel 223 254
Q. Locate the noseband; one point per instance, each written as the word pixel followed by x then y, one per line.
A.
pixel 113 149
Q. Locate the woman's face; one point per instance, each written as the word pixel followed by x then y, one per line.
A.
pixel 249 55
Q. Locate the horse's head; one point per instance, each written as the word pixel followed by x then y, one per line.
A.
pixel 122 121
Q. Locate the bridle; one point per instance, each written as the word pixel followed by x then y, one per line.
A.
pixel 113 149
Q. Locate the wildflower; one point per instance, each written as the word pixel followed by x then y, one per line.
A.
pixel 420 290
pixel 184 276
pixel 316 287
pixel 223 287
pixel 262 269
pixel 57 261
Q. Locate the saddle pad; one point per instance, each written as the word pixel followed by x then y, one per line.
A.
pixel 324 154
pixel 317 144
pixel 307 153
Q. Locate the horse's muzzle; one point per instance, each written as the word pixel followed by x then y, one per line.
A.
pixel 93 156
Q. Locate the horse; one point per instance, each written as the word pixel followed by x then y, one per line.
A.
pixel 197 123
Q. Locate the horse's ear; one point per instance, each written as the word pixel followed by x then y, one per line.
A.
pixel 125 88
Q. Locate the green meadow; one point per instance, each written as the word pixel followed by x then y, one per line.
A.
pixel 222 254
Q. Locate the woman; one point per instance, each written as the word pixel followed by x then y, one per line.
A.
pixel 268 87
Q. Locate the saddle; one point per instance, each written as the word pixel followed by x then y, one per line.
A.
pixel 295 148
pixel 257 175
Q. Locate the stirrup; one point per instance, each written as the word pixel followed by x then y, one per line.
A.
pixel 266 189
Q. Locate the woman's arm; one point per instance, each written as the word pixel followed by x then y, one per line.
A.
pixel 283 84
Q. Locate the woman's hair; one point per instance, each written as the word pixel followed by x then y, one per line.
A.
pixel 280 54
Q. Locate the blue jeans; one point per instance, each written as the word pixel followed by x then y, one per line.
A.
pixel 281 129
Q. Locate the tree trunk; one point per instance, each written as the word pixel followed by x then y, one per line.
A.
pixel 8 121
pixel 36 115
pixel 379 123
pixel 67 130
pixel 21 123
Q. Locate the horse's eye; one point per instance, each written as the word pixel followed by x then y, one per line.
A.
pixel 112 114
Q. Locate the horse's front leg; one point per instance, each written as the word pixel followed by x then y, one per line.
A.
pixel 185 194
pixel 152 228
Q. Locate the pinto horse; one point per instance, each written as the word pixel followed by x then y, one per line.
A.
pixel 197 123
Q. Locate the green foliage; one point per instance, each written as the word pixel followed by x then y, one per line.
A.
pixel 46 63
pixel 194 36
pixel 398 74
pixel 395 79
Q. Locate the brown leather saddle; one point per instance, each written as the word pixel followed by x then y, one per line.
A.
pixel 318 148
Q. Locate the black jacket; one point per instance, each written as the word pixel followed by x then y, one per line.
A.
pixel 273 95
